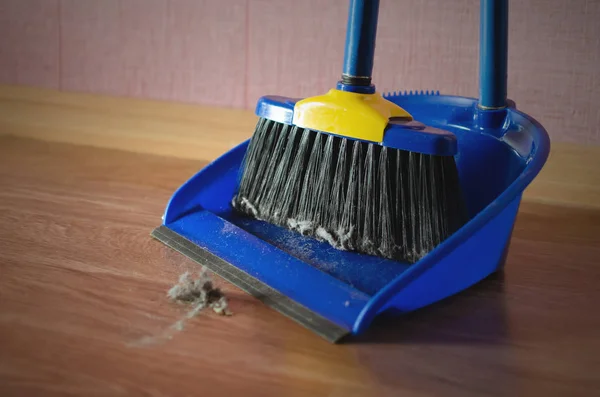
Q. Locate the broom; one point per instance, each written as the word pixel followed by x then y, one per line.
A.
pixel 351 168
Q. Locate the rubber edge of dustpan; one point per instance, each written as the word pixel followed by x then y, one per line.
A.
pixel 267 295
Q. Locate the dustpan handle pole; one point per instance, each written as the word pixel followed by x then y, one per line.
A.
pixel 493 50
pixel 360 42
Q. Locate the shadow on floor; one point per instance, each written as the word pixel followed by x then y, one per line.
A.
pixel 476 315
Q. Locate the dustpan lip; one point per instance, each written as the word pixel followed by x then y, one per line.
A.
pixel 534 163
pixel 318 318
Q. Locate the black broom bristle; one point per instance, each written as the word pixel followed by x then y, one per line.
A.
pixel 357 196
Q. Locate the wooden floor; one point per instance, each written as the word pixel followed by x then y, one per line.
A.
pixel 83 310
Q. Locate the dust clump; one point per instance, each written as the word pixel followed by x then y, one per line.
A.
pixel 197 292
pixel 200 293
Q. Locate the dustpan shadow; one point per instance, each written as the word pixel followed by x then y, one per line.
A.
pixel 474 316
pixel 457 347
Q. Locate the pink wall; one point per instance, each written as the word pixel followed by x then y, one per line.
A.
pixel 229 52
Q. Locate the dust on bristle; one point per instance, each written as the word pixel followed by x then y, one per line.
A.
pixel 355 195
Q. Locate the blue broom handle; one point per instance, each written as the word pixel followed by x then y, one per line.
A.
pixel 493 49
pixel 360 42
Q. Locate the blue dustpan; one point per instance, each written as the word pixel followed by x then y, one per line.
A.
pixel 335 293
